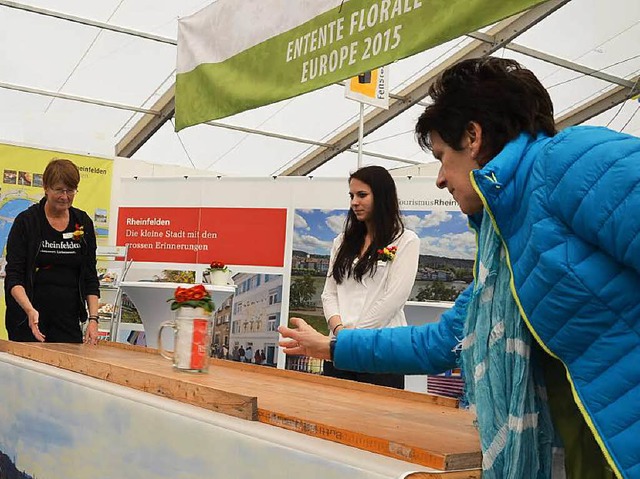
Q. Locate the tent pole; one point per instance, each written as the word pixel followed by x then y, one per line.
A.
pixel 360 135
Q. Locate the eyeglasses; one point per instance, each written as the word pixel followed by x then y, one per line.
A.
pixel 63 191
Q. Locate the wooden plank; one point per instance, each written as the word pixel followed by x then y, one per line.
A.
pixel 169 384
pixel 350 385
pixel 313 378
pixel 368 442
pixel 468 474
pixel 412 427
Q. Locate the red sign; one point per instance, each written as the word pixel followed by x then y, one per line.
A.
pixel 241 236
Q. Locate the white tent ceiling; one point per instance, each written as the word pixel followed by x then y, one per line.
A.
pixel 41 53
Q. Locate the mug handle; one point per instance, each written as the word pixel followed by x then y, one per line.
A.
pixel 163 352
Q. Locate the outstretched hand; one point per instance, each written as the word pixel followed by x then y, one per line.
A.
pixel 303 340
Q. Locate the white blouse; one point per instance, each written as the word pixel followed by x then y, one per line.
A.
pixel 378 301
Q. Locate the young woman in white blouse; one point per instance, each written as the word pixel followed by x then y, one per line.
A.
pixel 372 267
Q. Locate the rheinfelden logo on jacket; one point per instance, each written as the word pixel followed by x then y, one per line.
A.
pixel 53 245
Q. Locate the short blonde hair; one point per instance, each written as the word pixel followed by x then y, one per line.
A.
pixel 60 170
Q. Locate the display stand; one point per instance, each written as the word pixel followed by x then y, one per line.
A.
pixel 419 432
pixel 150 299
pixel 111 276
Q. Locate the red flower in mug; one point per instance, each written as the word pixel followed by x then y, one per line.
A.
pixel 194 297
pixel 197 293
pixel 217 266
pixel 78 233
pixel 181 295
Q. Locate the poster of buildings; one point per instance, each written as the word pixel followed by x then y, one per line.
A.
pixel 252 335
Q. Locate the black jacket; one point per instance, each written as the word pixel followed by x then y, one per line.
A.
pixel 23 246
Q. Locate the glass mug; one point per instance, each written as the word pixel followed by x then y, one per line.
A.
pixel 192 329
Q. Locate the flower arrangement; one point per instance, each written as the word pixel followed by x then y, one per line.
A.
pixel 217 266
pixel 387 254
pixel 194 297
pixel 78 233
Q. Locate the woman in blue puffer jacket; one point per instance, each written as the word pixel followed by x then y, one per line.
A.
pixel 549 332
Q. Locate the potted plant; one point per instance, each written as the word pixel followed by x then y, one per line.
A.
pixel 217 273
pixel 194 297
pixel 192 327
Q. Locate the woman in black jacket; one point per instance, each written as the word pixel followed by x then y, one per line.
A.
pixel 51 277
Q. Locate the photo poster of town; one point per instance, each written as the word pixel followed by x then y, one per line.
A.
pixel 445 267
pixel 245 325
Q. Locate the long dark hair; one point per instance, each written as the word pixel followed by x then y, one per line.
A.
pixel 505 98
pixel 386 221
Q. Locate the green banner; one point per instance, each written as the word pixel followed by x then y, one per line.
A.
pixel 341 42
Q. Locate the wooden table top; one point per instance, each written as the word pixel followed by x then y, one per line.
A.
pixel 418 428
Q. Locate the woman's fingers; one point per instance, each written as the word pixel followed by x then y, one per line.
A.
pixel 286 332
pixel 292 338
pixel 289 343
pixel 292 346
pixel 299 323
pixel 34 319
pixel 304 340
pixel 91 335
pixel 37 334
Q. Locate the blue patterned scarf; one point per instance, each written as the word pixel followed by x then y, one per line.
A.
pixel 516 432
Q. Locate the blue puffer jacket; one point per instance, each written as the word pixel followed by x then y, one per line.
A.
pixel 568 211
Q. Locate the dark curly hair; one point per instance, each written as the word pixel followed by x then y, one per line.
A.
pixel 387 226
pixel 503 97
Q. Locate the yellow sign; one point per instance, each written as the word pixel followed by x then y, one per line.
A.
pixel 365 83
pixel 370 87
pixel 21 171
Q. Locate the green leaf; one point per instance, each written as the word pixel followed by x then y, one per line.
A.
pixel 204 303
